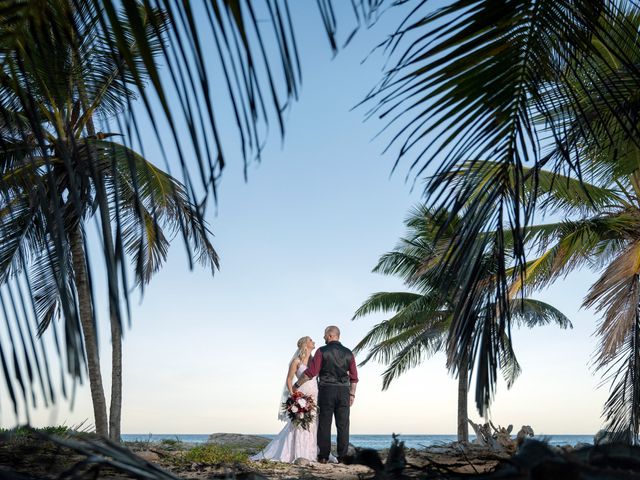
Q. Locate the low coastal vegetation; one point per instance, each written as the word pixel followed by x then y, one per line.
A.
pixel 214 455
pixel 23 431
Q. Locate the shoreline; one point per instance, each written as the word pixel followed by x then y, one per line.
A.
pixel 372 441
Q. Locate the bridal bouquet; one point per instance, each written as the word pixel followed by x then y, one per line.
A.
pixel 301 409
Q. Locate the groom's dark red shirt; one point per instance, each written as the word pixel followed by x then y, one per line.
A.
pixel 316 365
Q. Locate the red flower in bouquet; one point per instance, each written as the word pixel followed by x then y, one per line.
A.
pixel 301 409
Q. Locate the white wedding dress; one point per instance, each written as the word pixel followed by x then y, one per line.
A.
pixel 291 442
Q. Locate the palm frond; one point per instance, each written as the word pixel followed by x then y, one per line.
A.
pixel 412 353
pixel 19 236
pixel 149 200
pixel 386 302
pixel 566 246
pixel 616 296
pixel 553 192
pixel 422 313
pixel 509 364
pixel 621 410
pixel 531 313
pixel 428 335
pixel 108 83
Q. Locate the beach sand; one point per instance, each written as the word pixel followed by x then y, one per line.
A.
pixel 418 462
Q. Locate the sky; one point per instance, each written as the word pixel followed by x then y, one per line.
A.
pixel 297 243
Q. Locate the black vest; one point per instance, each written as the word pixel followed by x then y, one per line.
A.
pixel 335 365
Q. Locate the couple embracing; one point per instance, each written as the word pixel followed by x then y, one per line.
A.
pixel 330 378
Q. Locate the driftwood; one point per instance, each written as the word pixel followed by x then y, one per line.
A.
pixel 498 439
pixel 392 469
pixel 536 460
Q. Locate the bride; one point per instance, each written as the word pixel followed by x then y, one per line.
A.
pixel 292 442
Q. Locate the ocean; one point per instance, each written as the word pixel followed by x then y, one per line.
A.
pixel 364 441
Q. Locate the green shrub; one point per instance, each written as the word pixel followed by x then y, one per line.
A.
pixel 214 454
pixel 57 430
pixel 172 444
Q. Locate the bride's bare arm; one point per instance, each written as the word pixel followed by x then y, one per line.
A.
pixel 293 366
pixel 312 371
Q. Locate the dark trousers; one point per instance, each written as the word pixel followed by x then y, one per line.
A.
pixel 333 401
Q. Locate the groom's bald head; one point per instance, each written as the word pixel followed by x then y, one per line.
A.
pixel 331 333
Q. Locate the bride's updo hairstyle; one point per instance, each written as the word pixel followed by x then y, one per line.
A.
pixel 303 350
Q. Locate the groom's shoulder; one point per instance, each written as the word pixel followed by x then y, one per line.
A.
pixel 336 345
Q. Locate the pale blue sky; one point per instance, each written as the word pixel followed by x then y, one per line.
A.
pixel 297 244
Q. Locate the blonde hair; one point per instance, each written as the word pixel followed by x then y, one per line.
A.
pixel 303 350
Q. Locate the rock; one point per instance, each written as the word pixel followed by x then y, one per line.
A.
pixel 351 449
pixel 302 462
pixel 149 456
pixel 239 441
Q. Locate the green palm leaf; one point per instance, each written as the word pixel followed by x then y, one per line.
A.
pixel 150 201
pixel 552 191
pixel 530 313
pixel 410 354
pixel 386 302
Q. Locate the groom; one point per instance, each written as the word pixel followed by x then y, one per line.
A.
pixel 335 367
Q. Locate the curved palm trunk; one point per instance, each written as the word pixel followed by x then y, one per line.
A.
pixel 88 330
pixel 115 409
pixel 463 389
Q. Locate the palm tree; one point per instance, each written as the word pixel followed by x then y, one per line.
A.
pixel 420 322
pixel 52 184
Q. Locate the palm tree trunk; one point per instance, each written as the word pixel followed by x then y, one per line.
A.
pixel 88 330
pixel 115 410
pixel 463 388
